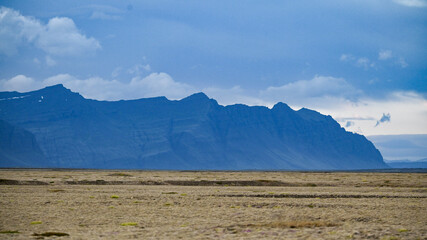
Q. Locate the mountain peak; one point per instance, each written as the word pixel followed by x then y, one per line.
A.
pixel 54 89
pixel 57 91
pixel 281 106
pixel 196 96
pixel 312 115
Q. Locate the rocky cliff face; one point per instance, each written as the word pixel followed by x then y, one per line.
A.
pixel 193 133
pixel 19 148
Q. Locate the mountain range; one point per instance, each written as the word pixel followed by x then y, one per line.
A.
pixel 55 127
pixel 421 163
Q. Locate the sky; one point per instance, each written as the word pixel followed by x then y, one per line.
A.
pixel 363 62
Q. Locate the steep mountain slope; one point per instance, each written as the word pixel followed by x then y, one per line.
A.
pixel 18 148
pixel 193 133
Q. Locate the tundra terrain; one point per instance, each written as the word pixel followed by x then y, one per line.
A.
pixel 65 204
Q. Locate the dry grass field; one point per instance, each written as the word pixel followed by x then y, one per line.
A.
pixel 48 204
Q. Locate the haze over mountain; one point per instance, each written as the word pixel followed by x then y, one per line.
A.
pixel 420 163
pixel 412 147
pixel 192 133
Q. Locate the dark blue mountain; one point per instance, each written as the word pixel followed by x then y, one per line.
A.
pixel 19 148
pixel 192 133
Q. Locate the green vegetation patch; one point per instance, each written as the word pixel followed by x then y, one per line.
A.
pixel 114 196
pixel 8 232
pixel 36 222
pixel 129 224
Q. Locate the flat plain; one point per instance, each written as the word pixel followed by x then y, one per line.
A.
pixel 83 204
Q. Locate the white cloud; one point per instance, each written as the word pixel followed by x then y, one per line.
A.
pixel 116 72
pixel 318 89
pixel 93 88
pixel 363 62
pixel 412 3
pixel 19 83
pixel 59 36
pixel 358 62
pixel 346 57
pixel 50 62
pixel 385 54
pixel 16 29
pixel 402 63
pixel 160 84
pixel 138 69
pixel 229 96
pixel 400 105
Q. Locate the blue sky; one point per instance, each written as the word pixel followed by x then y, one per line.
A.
pixel 363 62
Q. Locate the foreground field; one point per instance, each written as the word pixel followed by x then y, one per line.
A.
pixel 211 205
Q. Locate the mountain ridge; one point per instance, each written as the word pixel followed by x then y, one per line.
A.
pixel 192 133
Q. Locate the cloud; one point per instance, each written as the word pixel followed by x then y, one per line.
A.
pixel 102 12
pixel 412 3
pixel 358 62
pixel 16 29
pixel 384 118
pixel 400 104
pixel 365 63
pixel 319 89
pixel 103 16
pixel 138 69
pixel 153 85
pixel 116 72
pixel 385 54
pixel 50 62
pixel 346 57
pixel 402 63
pixel 235 94
pixel 349 124
pixel 59 36
pixel 161 84
pixel 19 83
pixel 358 118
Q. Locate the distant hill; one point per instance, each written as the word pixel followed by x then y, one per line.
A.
pixel 193 133
pixel 405 146
pixel 408 164
pixel 19 148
